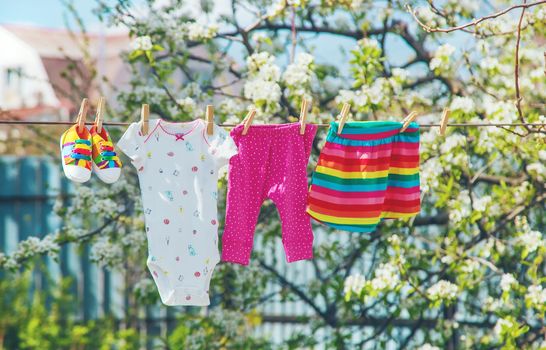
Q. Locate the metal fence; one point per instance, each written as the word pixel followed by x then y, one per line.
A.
pixel 29 187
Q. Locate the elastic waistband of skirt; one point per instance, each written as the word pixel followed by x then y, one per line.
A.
pixel 379 131
pixel 273 129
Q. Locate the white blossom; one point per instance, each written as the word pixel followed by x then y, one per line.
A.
pixel 354 283
pixel 491 304
pixel 480 204
pixel 277 9
pixel 375 92
pixel 440 58
pixel 447 259
pixel 430 173
pixel 269 72
pixel 470 266
pixel 369 43
pixel 536 296
pixel 538 169
pixel 428 17
pixel 542 154
pixel 464 104
pixel 259 59
pixel 304 59
pixel 357 98
pixel 400 74
pixel 357 4
pixel 507 281
pixel 106 253
pixel 452 141
pixel 489 63
pixel 260 90
pixel 443 290
pixel 394 240
pixel 427 346
pixel 540 15
pixel 386 277
pixel 296 75
pixel 199 32
pixel 142 43
pixel 499 111
pixel 187 103
pixel 262 86
pixel 531 240
pixel 502 325
pixel 460 207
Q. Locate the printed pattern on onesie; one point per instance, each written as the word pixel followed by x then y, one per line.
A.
pixel 177 166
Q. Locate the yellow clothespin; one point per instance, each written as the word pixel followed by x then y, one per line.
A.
pixel 144 117
pixel 82 114
pixel 406 122
pixel 303 115
pixel 100 112
pixel 209 117
pixel 443 123
pixel 344 114
pixel 248 120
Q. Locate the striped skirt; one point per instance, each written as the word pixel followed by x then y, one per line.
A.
pixel 369 172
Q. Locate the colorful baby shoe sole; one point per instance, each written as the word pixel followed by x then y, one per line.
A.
pixel 76 154
pixel 106 163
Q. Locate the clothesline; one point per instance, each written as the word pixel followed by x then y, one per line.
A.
pixel 431 125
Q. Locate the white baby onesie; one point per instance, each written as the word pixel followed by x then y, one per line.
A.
pixel 177 165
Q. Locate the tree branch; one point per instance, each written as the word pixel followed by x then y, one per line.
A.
pixel 474 22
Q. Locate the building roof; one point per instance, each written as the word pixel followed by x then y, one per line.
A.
pixel 61 49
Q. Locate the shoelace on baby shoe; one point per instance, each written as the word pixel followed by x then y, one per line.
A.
pixel 108 158
pixel 80 153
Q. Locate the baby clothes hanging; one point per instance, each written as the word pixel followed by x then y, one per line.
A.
pixel 177 165
pixel 369 172
pixel 271 163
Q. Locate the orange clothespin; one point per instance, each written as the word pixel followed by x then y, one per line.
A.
pixel 344 114
pixel 443 123
pixel 406 122
pixel 303 115
pixel 144 117
pixel 209 117
pixel 82 114
pixel 100 112
pixel 248 120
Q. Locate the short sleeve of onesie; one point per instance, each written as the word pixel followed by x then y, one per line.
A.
pixel 132 144
pixel 222 146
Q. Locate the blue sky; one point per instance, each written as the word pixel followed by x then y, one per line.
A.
pixel 45 13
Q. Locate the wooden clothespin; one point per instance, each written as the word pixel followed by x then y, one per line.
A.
pixel 248 120
pixel 406 122
pixel 343 114
pixel 443 123
pixel 303 115
pixel 144 117
pixel 209 117
pixel 100 112
pixel 82 114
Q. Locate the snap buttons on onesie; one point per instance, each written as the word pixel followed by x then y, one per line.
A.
pixel 177 166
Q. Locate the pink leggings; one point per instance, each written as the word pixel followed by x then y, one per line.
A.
pixel 271 163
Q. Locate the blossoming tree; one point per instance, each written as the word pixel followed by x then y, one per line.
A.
pixel 468 272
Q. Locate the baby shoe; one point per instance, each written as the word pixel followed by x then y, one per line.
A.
pixel 76 154
pixel 106 163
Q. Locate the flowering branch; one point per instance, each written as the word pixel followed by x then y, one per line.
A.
pixel 474 22
pixel 49 245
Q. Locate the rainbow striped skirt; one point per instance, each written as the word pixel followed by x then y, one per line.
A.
pixel 369 172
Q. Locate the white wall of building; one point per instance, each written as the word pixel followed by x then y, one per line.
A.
pixel 29 89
